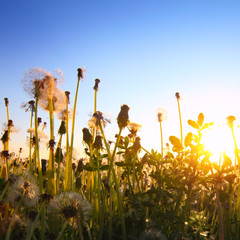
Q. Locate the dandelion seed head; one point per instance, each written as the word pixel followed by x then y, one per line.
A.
pixel 25 189
pixel 161 114
pixel 71 205
pixel 62 114
pixel 81 72
pixel 133 128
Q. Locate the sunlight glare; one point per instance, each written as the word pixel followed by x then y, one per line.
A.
pixel 219 140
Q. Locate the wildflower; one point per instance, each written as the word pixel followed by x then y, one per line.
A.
pixel 87 136
pixel 123 119
pixel 25 189
pixel 33 81
pixel 62 114
pixel 55 94
pixel 4 138
pixel 30 105
pixel 51 144
pixel 133 128
pixel 67 93
pixel 45 197
pixel 97 81
pixel 98 142
pixel 161 114
pixel 6 101
pixel 81 73
pixel 230 120
pixel 39 120
pixel 98 118
pixel 41 134
pixel 71 206
pixel 62 128
pixel 177 94
pixel 136 145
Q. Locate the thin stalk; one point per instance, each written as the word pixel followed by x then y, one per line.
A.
pixel 68 175
pixel 4 191
pixel 30 143
pixel 39 165
pixel 50 172
pixel 60 235
pixel 160 122
pixel 12 220
pixel 30 233
pixel 80 229
pixel 180 119
pixel 58 169
pixel 99 197
pixel 111 169
pixel 219 208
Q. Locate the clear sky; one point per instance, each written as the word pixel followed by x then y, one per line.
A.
pixel 143 51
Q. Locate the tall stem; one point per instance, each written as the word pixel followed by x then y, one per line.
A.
pixel 39 165
pixel 30 143
pixel 68 175
pixel 161 138
pixel 51 180
pixel 180 119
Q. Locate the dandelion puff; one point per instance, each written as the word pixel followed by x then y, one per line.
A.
pixel 62 114
pixel 161 114
pixel 71 206
pixel 33 81
pixel 58 99
pixel 133 128
pixel 41 134
pixel 25 189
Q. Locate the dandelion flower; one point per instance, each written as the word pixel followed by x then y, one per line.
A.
pixel 71 206
pixel 133 128
pixel 161 114
pixel 23 189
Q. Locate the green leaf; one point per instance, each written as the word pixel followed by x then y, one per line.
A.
pixel 175 141
pixel 120 164
pixel 103 156
pixel 200 119
pixel 227 162
pixel 207 125
pixel 188 139
pixel 193 124
pixel 104 167
pixel 90 169
pixel 126 141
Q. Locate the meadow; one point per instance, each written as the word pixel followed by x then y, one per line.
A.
pixel 118 190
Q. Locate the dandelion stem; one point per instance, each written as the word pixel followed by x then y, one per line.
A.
pixel 68 175
pixel 63 229
pixel 51 180
pixel 30 233
pixel 39 165
pixel 180 119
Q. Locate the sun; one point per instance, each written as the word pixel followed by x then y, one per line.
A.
pixel 218 140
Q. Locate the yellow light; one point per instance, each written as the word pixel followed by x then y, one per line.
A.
pixel 219 140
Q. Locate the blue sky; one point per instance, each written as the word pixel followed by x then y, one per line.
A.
pixel 142 51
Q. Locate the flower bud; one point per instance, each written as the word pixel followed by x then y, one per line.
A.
pixel 98 142
pixel 87 136
pixel 97 81
pixel 123 119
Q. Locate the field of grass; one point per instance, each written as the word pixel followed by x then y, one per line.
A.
pixel 115 192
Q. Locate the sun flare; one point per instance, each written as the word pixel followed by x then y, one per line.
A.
pixel 219 140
